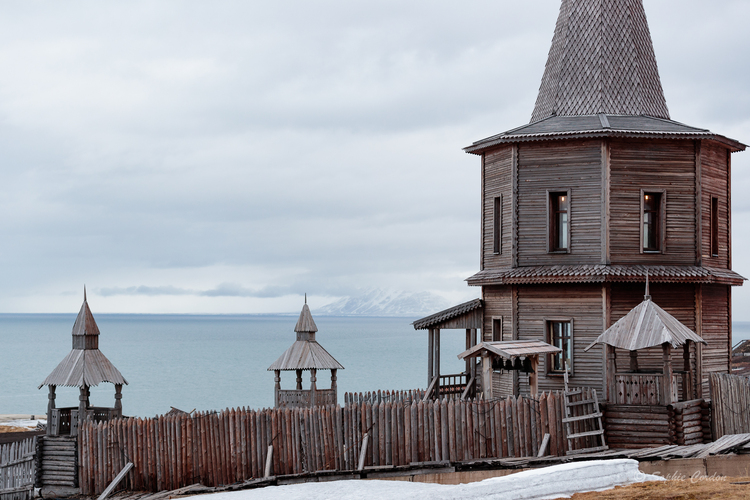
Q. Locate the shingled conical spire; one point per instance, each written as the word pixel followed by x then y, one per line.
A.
pixel 601 61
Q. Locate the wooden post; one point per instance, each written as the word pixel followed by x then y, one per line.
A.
pixel 486 376
pixel 668 373
pixel 687 378
pixel 299 380
pixel 534 376
pixel 437 356
pixel 333 385
pixel 269 461
pixel 633 361
pixel 473 360
pixel 82 406
pixel 468 346
pixel 50 406
pixel 430 352
pixel 118 399
pixel 276 387
pixel 313 387
pixel 611 369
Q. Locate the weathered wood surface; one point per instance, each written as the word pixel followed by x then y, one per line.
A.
pixel 730 404
pixel 17 470
pixel 214 449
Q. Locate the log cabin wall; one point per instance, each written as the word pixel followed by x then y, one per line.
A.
pixel 559 166
pixel 667 165
pixel 498 165
pixel 498 304
pixel 714 183
pixel 715 329
pixel 677 299
pixel 581 303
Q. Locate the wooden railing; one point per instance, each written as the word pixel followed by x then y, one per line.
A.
pixel 296 398
pixel 64 421
pixel 376 397
pixel 452 386
pixel 645 388
pixel 17 470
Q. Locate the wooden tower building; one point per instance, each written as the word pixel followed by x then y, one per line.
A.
pixel 601 189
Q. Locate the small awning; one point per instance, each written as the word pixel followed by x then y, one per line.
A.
pixel 511 349
pixel 646 325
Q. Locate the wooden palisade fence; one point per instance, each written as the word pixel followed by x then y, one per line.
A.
pixel 730 404
pixel 17 470
pixel 232 446
pixel 372 397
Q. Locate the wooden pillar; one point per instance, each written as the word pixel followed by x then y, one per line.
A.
pixel 276 387
pixel 437 352
pixel 313 386
pixel 668 373
pixel 430 355
pixel 633 361
pixel 611 369
pixel 118 400
pixel 299 380
pixel 687 378
pixel 333 379
pixel 473 360
pixel 486 376
pixel 50 406
pixel 468 360
pixel 82 407
pixel 533 376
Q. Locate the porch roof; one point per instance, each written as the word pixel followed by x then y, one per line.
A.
pixel 437 319
pixel 646 325
pixel 511 349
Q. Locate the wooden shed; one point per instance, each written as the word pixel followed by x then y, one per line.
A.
pixel 84 367
pixel 601 189
pixel 305 354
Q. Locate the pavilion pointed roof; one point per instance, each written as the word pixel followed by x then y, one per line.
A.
pixel 305 323
pixel 646 325
pixel 85 365
pixel 601 62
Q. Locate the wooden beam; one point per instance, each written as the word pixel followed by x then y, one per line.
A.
pixel 668 398
pixel 486 376
pixel 430 352
pixel 514 206
pixel 437 352
pixel 534 376
pixel 116 481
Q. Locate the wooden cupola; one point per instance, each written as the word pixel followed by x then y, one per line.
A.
pixel 84 367
pixel 305 354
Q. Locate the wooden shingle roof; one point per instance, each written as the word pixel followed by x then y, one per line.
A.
pixel 598 273
pixel 646 325
pixel 452 312
pixel 305 353
pixel 84 366
pixel 601 61
pixel 511 349
pixel 601 125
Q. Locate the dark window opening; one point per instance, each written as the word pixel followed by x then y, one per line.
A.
pixel 497 329
pixel 561 335
pixel 714 227
pixel 497 224
pixel 651 222
pixel 559 221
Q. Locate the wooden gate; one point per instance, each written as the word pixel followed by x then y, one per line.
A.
pixel 17 470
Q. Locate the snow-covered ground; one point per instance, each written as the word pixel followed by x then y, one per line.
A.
pixel 558 481
pixel 24 421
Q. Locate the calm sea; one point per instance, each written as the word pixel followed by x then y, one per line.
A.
pixel 214 362
pixel 209 362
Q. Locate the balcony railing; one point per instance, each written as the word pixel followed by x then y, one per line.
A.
pixel 64 421
pixel 296 398
pixel 650 388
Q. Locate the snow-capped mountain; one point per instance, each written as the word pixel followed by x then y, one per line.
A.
pixel 378 302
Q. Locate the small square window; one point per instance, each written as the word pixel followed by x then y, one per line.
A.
pixel 559 221
pixel 560 334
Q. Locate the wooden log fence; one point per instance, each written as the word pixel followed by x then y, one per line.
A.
pixel 223 448
pixel 372 397
pixel 730 404
pixel 17 470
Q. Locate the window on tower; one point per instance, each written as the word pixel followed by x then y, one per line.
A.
pixel 651 221
pixel 559 221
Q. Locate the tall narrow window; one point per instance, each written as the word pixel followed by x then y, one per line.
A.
pixel 497 329
pixel 651 222
pixel 714 227
pixel 560 334
pixel 559 230
pixel 497 225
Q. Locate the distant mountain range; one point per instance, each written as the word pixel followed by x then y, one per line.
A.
pixel 378 302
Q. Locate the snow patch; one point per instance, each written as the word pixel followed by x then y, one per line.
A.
pixel 559 481
pixel 377 302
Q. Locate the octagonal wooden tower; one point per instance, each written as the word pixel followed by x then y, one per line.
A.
pixel 600 190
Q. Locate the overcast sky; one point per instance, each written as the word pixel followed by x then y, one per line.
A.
pixel 227 157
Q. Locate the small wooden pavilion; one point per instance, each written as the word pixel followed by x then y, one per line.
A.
pixel 467 316
pixel 305 354
pixel 645 327
pixel 84 367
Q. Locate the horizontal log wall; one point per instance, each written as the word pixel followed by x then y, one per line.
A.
pixel 17 470
pixel 498 303
pixel 231 446
pixel 715 183
pixel 497 183
pixel 652 165
pixel 560 166
pixel 715 330
pixel 730 404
